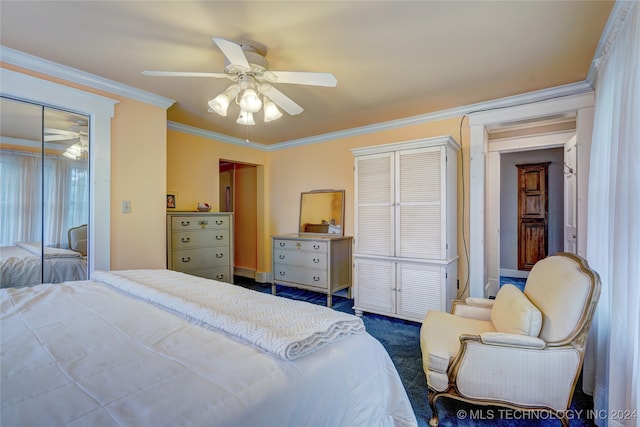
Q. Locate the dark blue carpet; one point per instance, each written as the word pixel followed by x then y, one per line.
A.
pixel 401 339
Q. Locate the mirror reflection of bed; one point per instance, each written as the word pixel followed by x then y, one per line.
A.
pixel 44 194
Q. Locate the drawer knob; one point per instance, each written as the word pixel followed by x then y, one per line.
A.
pixel 203 223
pixel 219 222
pixel 316 246
pixel 219 255
pixel 282 273
pixel 185 239
pixel 220 276
pixel 219 237
pixel 186 259
pixel 281 256
pixel 282 244
pixel 316 260
pixel 185 223
pixel 316 279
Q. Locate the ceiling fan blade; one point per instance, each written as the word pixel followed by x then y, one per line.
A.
pixel 182 74
pixel 49 138
pixel 233 52
pixel 281 100
pixel 305 78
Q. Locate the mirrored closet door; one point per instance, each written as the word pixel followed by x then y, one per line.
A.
pixel 44 194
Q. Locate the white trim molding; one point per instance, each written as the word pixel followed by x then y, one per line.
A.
pixel 73 75
pixel 35 63
pixel 484 160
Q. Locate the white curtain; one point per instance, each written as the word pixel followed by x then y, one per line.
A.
pixel 26 207
pixel 612 362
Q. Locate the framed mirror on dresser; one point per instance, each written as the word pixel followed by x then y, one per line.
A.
pixel 319 256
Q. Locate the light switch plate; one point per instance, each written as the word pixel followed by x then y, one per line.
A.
pixel 126 206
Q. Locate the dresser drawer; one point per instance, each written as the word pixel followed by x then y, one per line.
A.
pixel 199 238
pixel 305 276
pixel 179 223
pixel 220 274
pixel 192 259
pixel 301 258
pixel 301 245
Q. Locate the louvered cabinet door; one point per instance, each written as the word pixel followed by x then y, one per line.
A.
pixel 374 286
pixel 419 202
pixel 419 289
pixel 374 206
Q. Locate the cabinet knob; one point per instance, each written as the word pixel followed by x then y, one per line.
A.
pixel 185 239
pixel 316 246
pixel 219 237
pixel 282 273
pixel 185 223
pixel 219 255
pixel 316 260
pixel 316 279
pixel 282 244
pixel 186 259
pixel 281 256
pixel 219 222
pixel 219 276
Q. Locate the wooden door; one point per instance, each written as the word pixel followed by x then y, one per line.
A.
pixel 532 214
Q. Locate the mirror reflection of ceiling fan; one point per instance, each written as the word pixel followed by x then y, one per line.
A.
pixel 79 134
pixel 253 80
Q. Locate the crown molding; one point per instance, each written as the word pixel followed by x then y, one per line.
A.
pixel 35 63
pixel 40 65
pixel 616 21
pixel 216 136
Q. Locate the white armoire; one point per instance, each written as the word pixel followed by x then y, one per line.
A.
pixel 405 247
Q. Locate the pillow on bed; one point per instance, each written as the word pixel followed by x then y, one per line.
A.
pixel 78 239
pixel 513 313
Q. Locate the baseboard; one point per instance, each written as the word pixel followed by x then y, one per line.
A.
pixel 506 272
pixel 244 272
pixel 263 277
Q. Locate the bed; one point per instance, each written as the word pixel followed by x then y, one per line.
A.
pixel 162 348
pixel 21 265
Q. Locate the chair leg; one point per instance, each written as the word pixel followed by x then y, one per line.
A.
pixel 433 422
pixel 564 421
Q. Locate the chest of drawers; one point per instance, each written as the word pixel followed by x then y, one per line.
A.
pixel 316 263
pixel 201 244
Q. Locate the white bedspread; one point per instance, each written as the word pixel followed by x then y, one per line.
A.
pixel 85 354
pixel 21 265
pixel 286 328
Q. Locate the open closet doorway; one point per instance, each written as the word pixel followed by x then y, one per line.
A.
pixel 506 155
pixel 239 194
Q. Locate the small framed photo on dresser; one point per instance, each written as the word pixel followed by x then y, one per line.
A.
pixel 172 198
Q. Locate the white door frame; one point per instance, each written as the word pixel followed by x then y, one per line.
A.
pixel 495 150
pixel 484 240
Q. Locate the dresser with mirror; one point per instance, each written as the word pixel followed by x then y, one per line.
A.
pixel 319 256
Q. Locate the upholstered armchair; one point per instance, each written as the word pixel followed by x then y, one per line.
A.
pixel 522 350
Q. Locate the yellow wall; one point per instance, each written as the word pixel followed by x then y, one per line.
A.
pixel 192 172
pixel 138 174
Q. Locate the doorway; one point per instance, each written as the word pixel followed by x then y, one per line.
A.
pixel 239 194
pixel 505 154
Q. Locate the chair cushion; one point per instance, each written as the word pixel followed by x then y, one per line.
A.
pixel 440 338
pixel 513 313
pixel 562 291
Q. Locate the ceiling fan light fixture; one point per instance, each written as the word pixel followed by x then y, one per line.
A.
pixel 250 101
pixel 245 118
pixel 271 111
pixel 220 103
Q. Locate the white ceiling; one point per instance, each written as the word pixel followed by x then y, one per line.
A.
pixel 392 59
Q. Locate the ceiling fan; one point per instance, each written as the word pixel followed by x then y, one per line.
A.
pixel 78 133
pixel 249 71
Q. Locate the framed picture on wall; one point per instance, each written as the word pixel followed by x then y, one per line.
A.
pixel 172 198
